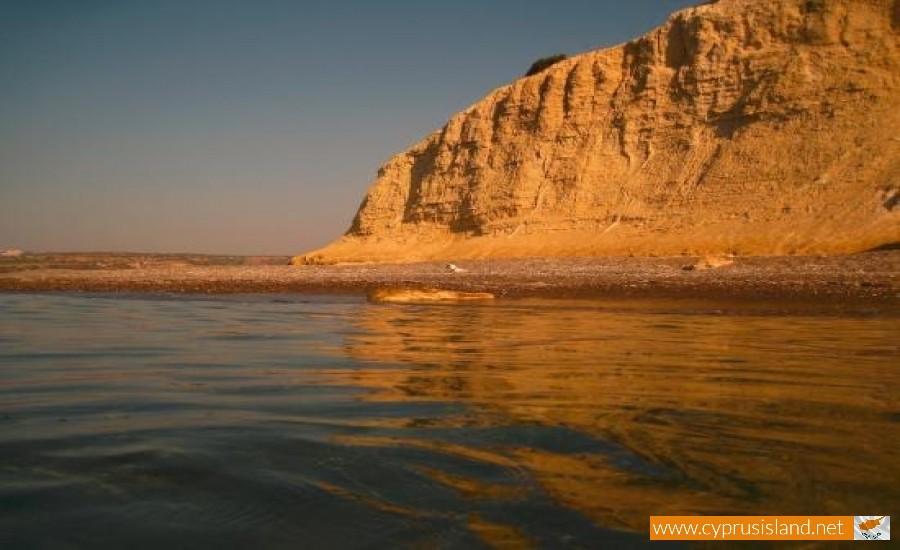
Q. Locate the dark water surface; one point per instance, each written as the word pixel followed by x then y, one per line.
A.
pixel 327 422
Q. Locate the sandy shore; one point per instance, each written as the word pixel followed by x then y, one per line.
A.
pixel 869 276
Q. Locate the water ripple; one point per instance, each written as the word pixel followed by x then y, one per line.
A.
pixel 329 422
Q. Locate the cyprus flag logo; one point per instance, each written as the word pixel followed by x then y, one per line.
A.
pixel 871 527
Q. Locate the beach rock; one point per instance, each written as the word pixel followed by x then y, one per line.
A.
pixel 413 295
pixel 710 262
pixel 749 126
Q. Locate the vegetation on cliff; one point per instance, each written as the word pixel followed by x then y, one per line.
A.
pixel 545 63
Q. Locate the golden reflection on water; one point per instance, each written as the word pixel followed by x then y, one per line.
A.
pixel 712 412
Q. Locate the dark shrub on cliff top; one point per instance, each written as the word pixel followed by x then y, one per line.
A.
pixel 544 63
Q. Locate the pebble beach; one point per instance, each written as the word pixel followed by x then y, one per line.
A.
pixel 868 276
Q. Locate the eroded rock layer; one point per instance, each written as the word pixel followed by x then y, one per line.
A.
pixel 739 126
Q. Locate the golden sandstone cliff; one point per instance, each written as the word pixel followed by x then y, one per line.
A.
pixel 739 126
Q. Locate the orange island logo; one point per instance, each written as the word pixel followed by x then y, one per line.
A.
pixel 872 527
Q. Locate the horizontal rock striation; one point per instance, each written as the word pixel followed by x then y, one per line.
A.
pixel 739 126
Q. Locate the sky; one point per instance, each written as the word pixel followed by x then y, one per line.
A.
pixel 246 126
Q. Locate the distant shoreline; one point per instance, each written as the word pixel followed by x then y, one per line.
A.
pixel 870 277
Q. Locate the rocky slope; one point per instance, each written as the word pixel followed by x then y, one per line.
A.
pixel 741 126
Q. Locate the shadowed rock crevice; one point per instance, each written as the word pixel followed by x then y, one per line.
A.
pixel 422 167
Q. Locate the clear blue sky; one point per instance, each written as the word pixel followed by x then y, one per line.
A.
pixel 246 126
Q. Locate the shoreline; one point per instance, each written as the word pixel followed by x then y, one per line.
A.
pixel 868 277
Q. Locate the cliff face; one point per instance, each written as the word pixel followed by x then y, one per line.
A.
pixel 745 126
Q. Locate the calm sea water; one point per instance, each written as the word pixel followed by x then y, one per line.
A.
pixel 328 422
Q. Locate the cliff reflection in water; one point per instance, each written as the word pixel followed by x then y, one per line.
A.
pixel 670 411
